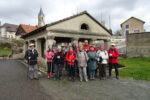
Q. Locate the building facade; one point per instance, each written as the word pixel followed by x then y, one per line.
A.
pixel 72 29
pixel 8 31
pixel 132 25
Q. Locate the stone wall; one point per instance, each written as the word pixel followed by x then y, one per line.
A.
pixel 138 44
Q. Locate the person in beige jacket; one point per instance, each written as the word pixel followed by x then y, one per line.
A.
pixel 82 58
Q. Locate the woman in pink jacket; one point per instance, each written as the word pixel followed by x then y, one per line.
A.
pixel 49 57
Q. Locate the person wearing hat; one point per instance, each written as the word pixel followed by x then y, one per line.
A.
pixel 31 56
pixel 113 59
pixel 92 62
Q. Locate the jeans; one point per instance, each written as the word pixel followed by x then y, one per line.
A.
pixel 83 73
pixel 58 71
pixel 72 71
pixel 33 71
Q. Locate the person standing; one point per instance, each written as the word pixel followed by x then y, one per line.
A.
pixel 31 56
pixel 49 55
pixel 71 58
pixel 86 46
pixel 102 61
pixel 113 60
pixel 82 58
pixel 58 63
pixel 92 62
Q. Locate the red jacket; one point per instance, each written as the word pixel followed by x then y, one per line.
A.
pixel 95 49
pixel 86 47
pixel 115 55
pixel 71 57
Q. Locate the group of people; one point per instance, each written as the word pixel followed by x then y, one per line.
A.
pixel 83 60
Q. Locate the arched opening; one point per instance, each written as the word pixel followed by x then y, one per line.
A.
pixel 84 26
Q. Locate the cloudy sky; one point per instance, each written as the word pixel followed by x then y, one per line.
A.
pixel 26 11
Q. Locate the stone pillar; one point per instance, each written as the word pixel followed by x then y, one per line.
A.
pixel 26 45
pixel 75 40
pixel 92 41
pixel 107 44
pixel 38 46
pixel 49 41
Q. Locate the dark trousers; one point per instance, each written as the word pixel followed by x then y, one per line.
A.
pixel 72 71
pixel 58 71
pixel 115 65
pixel 102 70
pixel 50 67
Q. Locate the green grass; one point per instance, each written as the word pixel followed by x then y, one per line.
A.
pixel 5 52
pixel 137 68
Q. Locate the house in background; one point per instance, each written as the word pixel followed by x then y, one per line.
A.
pixel 24 29
pixel 132 25
pixel 8 31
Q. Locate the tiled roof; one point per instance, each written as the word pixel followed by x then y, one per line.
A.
pixel 28 28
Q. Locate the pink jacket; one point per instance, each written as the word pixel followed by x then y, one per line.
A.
pixel 49 56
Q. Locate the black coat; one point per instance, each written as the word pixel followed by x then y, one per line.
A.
pixel 33 56
pixel 59 58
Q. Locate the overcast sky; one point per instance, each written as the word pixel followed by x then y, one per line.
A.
pixel 26 11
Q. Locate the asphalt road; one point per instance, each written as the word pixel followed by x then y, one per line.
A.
pixel 14 84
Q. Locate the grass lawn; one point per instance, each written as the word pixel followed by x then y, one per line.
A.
pixel 137 68
pixel 5 52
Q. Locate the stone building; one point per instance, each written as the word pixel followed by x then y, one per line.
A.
pixel 71 29
pixel 132 25
pixel 138 44
pixel 8 31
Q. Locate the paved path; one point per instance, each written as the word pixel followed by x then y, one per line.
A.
pixel 15 86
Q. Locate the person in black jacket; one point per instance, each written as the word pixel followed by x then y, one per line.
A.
pixel 58 63
pixel 31 56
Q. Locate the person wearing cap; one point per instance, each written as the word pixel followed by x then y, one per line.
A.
pixel 102 61
pixel 92 62
pixel 86 46
pixel 49 55
pixel 113 60
pixel 71 58
pixel 32 58
pixel 58 63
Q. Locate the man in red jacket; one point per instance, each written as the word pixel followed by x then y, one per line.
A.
pixel 86 46
pixel 113 60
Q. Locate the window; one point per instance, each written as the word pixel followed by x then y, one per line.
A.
pixel 84 26
pixel 136 31
pixel 127 31
pixel 127 26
